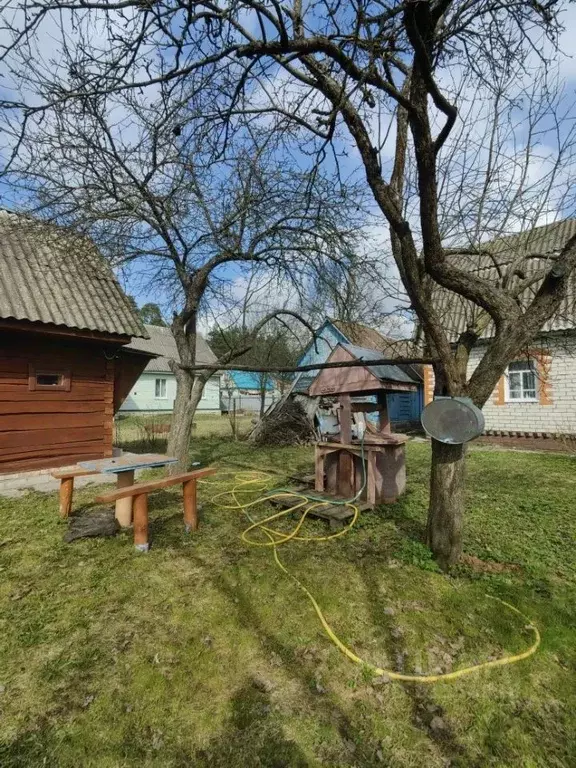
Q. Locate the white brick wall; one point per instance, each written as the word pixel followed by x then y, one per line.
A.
pixel 559 416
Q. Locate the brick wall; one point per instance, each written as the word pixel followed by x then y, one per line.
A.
pixel 555 411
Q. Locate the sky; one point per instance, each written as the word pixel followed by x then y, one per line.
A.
pixel 376 233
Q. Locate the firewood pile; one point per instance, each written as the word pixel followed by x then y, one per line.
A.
pixel 287 424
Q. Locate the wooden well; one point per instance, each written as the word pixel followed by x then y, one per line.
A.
pixel 343 465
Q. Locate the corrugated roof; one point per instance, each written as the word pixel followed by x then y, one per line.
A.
pixel 529 252
pixel 51 275
pixel 370 338
pixel 248 380
pixel 162 344
pixel 383 372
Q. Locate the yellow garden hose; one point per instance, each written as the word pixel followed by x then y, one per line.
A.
pixel 257 481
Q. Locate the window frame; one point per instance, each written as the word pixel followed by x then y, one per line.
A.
pixel 165 395
pixel 531 365
pixel 63 374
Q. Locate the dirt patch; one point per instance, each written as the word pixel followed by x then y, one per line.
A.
pixel 548 444
pixel 488 566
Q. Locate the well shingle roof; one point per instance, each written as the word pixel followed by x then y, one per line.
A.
pixel 51 275
pixel 383 372
pixel 529 252
pixel 162 344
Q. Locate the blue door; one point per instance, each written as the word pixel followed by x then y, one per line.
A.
pixel 404 406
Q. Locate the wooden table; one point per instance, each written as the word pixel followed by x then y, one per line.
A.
pixel 384 465
pixel 124 467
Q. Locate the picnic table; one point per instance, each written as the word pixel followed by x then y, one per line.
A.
pixel 124 468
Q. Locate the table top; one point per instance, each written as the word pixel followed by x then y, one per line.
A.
pixel 390 441
pixel 118 464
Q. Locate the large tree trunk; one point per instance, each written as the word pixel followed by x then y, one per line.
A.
pixel 188 395
pixel 445 512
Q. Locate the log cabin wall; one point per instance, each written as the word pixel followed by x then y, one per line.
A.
pixel 42 425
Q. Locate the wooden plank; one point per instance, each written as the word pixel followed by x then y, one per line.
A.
pixel 45 463
pixel 365 407
pixel 90 446
pixel 72 472
pixel 155 485
pixel 330 512
pixel 38 437
pixel 28 421
pixel 23 395
pixel 51 406
pixel 345 418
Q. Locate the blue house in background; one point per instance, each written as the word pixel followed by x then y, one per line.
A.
pixel 402 406
pixel 245 390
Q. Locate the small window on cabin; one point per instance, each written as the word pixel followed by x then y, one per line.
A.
pixel 48 380
pixel 160 389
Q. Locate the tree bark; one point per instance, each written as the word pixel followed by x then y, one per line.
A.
pixel 446 508
pixel 262 403
pixel 188 395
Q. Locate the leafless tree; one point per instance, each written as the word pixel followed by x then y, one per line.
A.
pixel 333 70
pixel 160 193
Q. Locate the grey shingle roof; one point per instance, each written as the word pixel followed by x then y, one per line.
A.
pixel 51 275
pixel 383 372
pixel 162 344
pixel 529 251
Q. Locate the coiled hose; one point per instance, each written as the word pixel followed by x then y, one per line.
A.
pixel 258 481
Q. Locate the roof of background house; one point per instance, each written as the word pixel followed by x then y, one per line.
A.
pixel 248 380
pixel 529 251
pixel 49 274
pixel 383 372
pixel 370 338
pixel 162 344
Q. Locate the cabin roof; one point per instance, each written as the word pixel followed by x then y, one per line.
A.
pixel 49 274
pixel 162 345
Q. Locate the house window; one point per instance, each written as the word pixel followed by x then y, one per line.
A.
pixel 48 380
pixel 521 379
pixel 160 389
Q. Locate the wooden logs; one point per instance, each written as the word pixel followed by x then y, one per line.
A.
pixel 66 492
pixel 190 506
pixel 141 522
pixel 124 505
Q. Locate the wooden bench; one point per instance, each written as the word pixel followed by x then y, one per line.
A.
pixel 139 494
pixel 66 477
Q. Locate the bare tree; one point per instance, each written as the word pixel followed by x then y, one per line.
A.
pixel 161 193
pixel 332 70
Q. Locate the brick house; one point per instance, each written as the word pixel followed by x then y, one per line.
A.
pixel 537 394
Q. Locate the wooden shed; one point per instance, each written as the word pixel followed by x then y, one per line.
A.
pixel 63 323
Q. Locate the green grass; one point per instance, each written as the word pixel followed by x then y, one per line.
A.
pixel 142 432
pixel 202 653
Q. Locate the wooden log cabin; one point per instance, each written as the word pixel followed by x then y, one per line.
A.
pixel 64 321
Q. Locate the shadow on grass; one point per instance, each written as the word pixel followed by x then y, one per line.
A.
pixel 424 708
pixel 323 705
pixel 251 737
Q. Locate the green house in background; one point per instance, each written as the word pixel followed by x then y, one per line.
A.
pixel 155 390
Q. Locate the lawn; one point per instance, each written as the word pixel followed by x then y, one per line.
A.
pixel 203 653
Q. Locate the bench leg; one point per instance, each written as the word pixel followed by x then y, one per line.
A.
pixel 124 506
pixel 66 491
pixel 190 506
pixel 141 522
